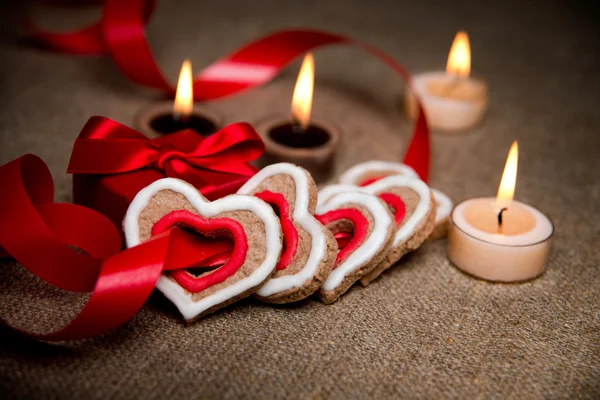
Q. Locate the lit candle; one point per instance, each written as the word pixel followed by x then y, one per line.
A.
pixel 172 116
pixel 452 100
pixel 300 140
pixel 500 239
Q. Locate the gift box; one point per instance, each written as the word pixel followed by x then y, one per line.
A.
pixel 111 163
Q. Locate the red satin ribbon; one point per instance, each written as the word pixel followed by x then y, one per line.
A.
pixel 121 33
pixel 37 233
pixel 108 147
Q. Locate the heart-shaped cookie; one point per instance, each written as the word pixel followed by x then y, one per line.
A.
pixel 411 201
pixel 247 221
pixel 368 172
pixel 309 248
pixel 371 227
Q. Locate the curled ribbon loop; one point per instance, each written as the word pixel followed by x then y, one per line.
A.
pixel 41 235
pixel 122 35
pixel 89 40
pixel 37 232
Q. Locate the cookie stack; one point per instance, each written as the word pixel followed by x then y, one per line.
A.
pixel 284 240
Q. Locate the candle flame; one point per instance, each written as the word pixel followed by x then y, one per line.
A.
pixel 459 59
pixel 184 96
pixel 506 190
pixel 303 92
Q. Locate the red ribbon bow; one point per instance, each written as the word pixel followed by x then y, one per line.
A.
pixel 108 147
pixel 36 231
pixel 38 234
pixel 121 34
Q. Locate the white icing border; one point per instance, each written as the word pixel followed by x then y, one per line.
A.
pixel 351 176
pixel 444 206
pixel 326 193
pixel 408 228
pixel 301 215
pixel 371 246
pixel 172 290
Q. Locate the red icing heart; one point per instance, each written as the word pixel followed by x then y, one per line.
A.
pixel 361 229
pixel 392 200
pixel 396 203
pixel 290 234
pixel 233 258
pixel 367 182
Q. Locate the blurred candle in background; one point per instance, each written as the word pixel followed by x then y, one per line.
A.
pixel 300 140
pixel 453 101
pixel 166 117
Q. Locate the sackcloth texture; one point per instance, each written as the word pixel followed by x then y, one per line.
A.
pixel 424 329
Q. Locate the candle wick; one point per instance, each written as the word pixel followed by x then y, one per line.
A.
pixel 500 217
pixel 297 129
pixel 180 117
pixel 449 88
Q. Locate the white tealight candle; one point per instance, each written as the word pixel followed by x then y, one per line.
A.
pixel 500 239
pixel 452 100
pixel 516 252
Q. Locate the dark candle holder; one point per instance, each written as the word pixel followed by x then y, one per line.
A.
pixel 313 148
pixel 158 119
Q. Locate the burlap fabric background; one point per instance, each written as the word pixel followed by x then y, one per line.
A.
pixel 424 330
